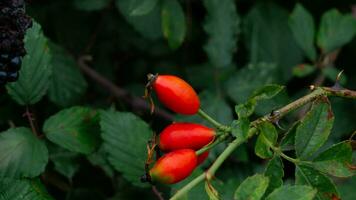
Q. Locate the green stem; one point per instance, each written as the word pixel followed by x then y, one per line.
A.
pixel 279 152
pixel 316 93
pixel 211 171
pixel 219 126
pixel 218 140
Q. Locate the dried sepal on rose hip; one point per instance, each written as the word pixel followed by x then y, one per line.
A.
pixel 185 136
pixel 174 166
pixel 175 93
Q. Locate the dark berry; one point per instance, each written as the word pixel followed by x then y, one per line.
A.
pixel 12 76
pixel 3 75
pixel 4 58
pixel 15 64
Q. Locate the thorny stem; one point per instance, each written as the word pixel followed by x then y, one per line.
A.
pixel 213 121
pixel 278 114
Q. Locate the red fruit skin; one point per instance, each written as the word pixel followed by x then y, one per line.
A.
pixel 202 157
pixel 185 136
pixel 174 166
pixel 176 94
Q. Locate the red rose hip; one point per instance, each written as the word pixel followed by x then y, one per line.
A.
pixel 185 136
pixel 175 94
pixel 174 166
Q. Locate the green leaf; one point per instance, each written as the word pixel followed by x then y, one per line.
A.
pixel 294 192
pixel 240 128
pixel 314 129
pixel 303 70
pixel 65 162
pixel 222 26
pixel 99 159
pixel 91 5
pixel 125 138
pixel 335 159
pixel 335 30
pixel 142 7
pixel 269 39
pixel 288 140
pixel 148 25
pixel 267 92
pixel 67 82
pixel 173 23
pixel 302 25
pixel 25 189
pixel 306 175
pixel 22 154
pixel 75 129
pixel 266 139
pixel 243 83
pixel 244 110
pixel 252 188
pixel 35 71
pixel 275 173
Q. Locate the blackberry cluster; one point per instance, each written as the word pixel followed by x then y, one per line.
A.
pixel 13 25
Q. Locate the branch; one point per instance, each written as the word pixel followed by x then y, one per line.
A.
pixel 136 102
pixel 278 114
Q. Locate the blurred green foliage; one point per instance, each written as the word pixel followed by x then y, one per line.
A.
pixel 225 49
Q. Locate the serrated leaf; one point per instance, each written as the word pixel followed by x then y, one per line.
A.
pixel 25 189
pixel 266 138
pixel 268 38
pixel 242 84
pixel 335 30
pixel 148 25
pixel 314 129
pixel 125 138
pixel 335 160
pixel 302 25
pixel 275 173
pixel 293 192
pixel 35 71
pixel 244 110
pixel 67 82
pixel 267 92
pixel 65 162
pixel 142 7
pixel 173 23
pixel 306 175
pixel 75 129
pixel 303 70
pixel 252 188
pixel 222 42
pixel 22 154
pixel 240 128
pixel 91 5
pixel 267 106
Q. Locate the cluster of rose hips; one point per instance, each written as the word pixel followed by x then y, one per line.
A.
pixel 179 141
pixel 13 25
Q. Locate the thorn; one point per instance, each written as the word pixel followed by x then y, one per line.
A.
pixel 279 126
pixel 337 85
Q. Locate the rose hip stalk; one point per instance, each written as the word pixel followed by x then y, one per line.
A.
pixel 174 166
pixel 175 93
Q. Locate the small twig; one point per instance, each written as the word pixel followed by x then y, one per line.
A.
pixel 157 193
pixel 31 120
pixel 136 102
